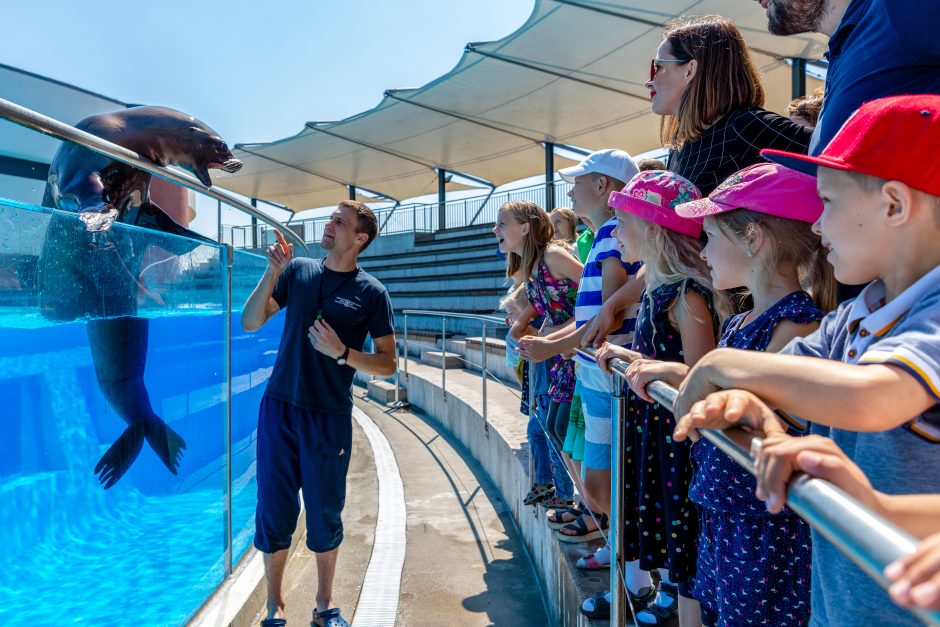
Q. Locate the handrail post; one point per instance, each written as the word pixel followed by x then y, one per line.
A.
pixel 229 253
pixel 406 348
pixel 618 593
pixel 486 424
pixel 444 356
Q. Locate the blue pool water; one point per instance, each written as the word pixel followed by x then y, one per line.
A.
pixel 150 550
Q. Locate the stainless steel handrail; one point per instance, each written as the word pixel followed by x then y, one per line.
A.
pixel 444 315
pixel 866 538
pixel 49 126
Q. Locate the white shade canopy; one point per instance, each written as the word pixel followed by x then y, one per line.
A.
pixel 573 74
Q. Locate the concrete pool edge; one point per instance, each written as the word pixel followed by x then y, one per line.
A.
pixel 236 601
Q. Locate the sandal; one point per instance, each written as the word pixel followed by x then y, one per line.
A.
pixel 556 502
pixel 590 562
pixel 329 618
pixel 597 607
pixel 556 518
pixel 581 533
pixel 655 614
pixel 538 492
pixel 274 622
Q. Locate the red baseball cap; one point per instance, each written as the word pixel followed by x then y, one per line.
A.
pixel 892 138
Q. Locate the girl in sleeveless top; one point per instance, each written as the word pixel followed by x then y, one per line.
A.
pixel 677 322
pixel 550 274
pixel 753 567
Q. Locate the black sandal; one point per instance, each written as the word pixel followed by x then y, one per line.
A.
pixel 555 518
pixel 579 526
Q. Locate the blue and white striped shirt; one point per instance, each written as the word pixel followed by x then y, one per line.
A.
pixel 590 297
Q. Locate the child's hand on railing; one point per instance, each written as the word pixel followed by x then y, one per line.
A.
pixel 724 409
pixel 782 456
pixel 608 352
pixel 534 349
pixel 916 577
pixel 642 371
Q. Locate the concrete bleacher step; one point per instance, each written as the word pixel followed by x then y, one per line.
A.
pixel 384 392
pixel 451 361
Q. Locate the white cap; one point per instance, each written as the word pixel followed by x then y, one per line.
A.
pixel 610 162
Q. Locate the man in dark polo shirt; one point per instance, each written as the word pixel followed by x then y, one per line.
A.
pixel 305 422
pixel 877 48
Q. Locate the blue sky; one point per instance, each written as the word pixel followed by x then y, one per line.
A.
pixel 254 71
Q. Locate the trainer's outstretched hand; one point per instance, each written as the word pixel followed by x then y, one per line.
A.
pixel 280 254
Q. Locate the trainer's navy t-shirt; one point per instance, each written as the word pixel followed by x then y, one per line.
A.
pixel 355 304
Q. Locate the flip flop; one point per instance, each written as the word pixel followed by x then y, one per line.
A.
pixel 329 618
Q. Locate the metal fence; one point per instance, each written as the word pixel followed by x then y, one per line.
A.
pixel 866 538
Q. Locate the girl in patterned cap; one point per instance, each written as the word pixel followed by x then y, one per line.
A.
pixel 753 567
pixel 677 322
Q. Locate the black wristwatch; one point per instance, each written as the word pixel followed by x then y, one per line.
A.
pixel 341 360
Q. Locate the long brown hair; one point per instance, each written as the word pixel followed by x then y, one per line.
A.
pixel 726 79
pixel 793 244
pixel 536 241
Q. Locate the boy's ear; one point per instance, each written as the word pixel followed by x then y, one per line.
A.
pixel 898 201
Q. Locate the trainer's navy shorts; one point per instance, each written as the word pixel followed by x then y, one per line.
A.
pixel 301 449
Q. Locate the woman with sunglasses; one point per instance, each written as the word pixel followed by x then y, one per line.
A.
pixel 704 84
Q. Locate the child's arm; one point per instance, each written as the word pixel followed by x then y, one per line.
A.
pixel 522 322
pixel 610 317
pixel 871 397
pixel 787 330
pixel 642 372
pixel 562 264
pixel 693 320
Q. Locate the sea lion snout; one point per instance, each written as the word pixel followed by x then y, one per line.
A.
pixel 232 165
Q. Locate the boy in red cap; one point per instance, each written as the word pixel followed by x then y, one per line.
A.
pixel 869 378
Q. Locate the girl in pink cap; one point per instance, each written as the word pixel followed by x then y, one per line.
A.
pixel 677 322
pixel 753 567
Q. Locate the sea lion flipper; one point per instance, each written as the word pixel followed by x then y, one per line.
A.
pixel 118 459
pixel 165 442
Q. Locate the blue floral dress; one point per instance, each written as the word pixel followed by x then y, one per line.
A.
pixel 753 567
pixel 661 523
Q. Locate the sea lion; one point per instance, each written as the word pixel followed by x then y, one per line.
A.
pixel 89 270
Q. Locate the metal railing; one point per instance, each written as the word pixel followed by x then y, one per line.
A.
pixel 866 538
pixel 414 218
pixel 49 126
pixel 443 315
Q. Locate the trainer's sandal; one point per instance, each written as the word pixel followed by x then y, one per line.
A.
pixel 274 622
pixel 329 618
pixel 597 607
pixel 538 492
pixel 580 531
pixel 556 520
pixel 556 502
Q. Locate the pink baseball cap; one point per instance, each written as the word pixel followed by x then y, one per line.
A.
pixel 654 195
pixel 767 188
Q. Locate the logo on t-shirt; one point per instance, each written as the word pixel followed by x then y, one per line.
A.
pixel 348 303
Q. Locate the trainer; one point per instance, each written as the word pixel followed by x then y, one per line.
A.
pixel 305 421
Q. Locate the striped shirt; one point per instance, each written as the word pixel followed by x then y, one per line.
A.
pixel 590 297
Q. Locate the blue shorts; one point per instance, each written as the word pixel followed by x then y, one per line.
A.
pixel 298 449
pixel 597 404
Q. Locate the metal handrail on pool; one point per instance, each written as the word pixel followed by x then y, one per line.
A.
pixel 866 538
pixel 444 315
pixel 44 124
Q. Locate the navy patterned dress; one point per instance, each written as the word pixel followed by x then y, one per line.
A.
pixel 661 523
pixel 753 566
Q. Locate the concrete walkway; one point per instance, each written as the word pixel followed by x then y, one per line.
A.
pixel 464 562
